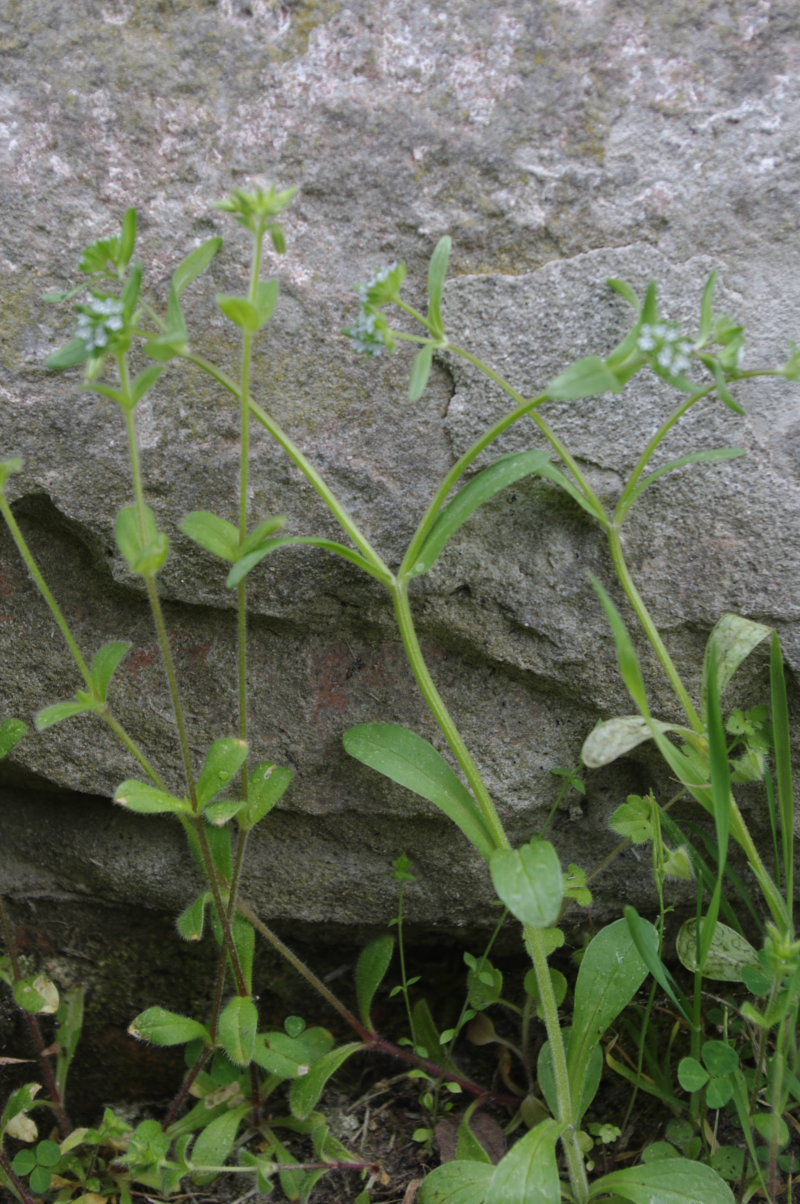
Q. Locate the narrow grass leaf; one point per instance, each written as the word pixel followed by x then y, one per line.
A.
pixel 498 476
pixel 641 935
pixel 782 748
pixel 213 533
pixel 371 969
pixel 587 377
pixel 676 1181
pixel 461 1182
pixel 625 290
pixel 405 758
pixel 260 533
pixel 720 796
pixel 626 653
pixel 528 1174
pixel 305 1091
pixel 530 882
pixel 707 307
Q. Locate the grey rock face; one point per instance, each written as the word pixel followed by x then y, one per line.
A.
pixel 559 144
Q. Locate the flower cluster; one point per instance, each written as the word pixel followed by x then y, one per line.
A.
pixel 669 350
pixel 99 321
pixel 371 333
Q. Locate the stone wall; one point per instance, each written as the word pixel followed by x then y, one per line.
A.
pixel 558 143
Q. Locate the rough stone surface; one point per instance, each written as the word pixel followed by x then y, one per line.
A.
pixel 559 143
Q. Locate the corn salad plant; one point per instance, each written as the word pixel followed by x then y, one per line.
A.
pixel 124 339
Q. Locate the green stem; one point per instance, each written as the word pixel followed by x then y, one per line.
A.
pixel 576 1167
pixel 44 590
pixel 419 668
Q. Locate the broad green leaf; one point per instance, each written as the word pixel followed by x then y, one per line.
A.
pixel 167 1028
pixel 305 1092
pixel 720 1057
pixel 105 664
pixel 615 737
pixel 480 489
pixel 692 1076
pixel 195 264
pixel 245 564
pixel 148 800
pixel 213 533
pixel 585 378
pixel 667 1181
pixel 267 786
pixel 633 819
pixel 191 921
pixel 225 759
pixel 529 881
pixel 626 653
pixel 72 354
pixel 610 974
pixel 733 639
pixel 63 710
pixel 468 1146
pixel 437 271
pixel 371 970
pixel 420 371
pixel 69 1019
pixel 144 547
pixel 236 1032
pixel 528 1174
pixel 412 762
pixel 11 732
pixel 461 1182
pixel 241 312
pixel 215 1142
pixel 728 954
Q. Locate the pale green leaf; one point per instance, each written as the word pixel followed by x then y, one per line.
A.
pixel 195 264
pixel 213 533
pixel 420 371
pixel 728 952
pixel 585 378
pixel 236 1031
pixel 530 882
pixel 268 784
pixel 145 799
pixel 615 737
pixel 167 1028
pixel 224 760
pixel 461 1182
pixel 105 663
